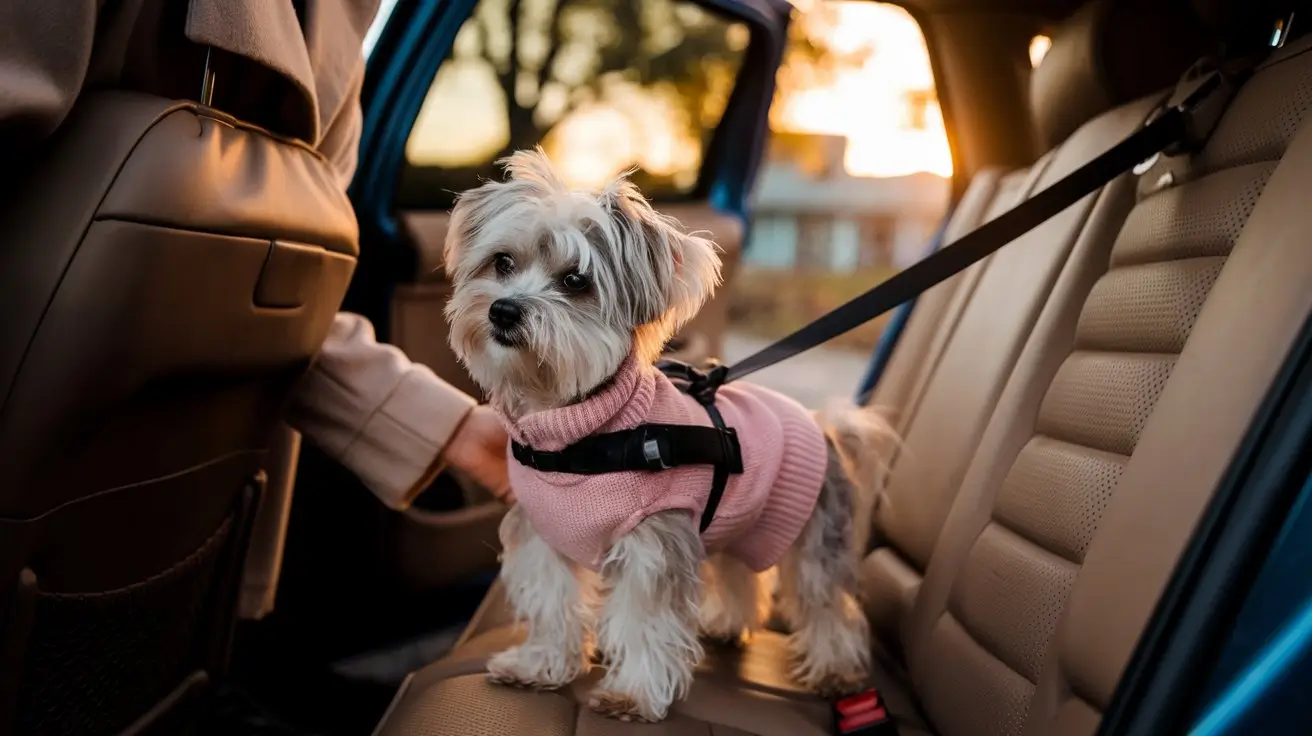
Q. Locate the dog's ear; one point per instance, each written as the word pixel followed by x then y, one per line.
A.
pixel 679 270
pixel 696 272
pixel 468 215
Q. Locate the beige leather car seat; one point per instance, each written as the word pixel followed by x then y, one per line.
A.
pixel 979 338
pixel 168 273
pixel 1119 423
pixel 960 394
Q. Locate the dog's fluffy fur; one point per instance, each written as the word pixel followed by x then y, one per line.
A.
pixel 532 240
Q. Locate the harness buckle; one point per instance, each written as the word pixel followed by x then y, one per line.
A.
pixel 655 451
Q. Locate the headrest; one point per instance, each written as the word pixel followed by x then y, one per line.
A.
pixel 1108 53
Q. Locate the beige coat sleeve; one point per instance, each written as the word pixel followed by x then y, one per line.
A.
pixel 381 415
pixel 384 417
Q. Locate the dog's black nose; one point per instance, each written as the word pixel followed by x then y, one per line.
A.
pixel 505 313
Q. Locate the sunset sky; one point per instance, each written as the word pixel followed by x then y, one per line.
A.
pixel 868 104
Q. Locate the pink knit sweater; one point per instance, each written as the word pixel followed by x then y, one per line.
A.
pixel 762 512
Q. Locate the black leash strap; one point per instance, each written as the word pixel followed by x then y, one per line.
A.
pixel 1169 128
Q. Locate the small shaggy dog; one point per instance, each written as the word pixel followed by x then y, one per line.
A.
pixel 563 301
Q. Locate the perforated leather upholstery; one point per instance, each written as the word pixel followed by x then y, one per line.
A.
pixel 1239 338
pixel 1057 455
pixel 1070 448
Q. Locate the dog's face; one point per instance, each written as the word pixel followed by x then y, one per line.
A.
pixel 554 287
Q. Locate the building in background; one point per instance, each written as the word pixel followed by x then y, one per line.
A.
pixel 809 214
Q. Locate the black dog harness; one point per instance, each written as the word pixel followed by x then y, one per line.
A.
pixel 656 447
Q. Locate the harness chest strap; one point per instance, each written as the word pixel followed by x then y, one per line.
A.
pixel 653 447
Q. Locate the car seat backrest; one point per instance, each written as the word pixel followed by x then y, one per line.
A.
pixel 1117 424
pixel 899 387
pixel 1232 271
pixel 168 273
pixel 982 339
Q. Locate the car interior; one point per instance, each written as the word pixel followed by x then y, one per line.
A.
pixel 1070 407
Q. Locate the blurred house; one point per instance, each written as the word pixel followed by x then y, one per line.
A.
pixel 809 214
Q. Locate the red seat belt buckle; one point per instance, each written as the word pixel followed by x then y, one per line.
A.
pixel 863 714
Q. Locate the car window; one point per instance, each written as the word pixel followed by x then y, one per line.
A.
pixel 602 85
pixel 854 184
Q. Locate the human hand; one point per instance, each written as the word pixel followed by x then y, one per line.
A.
pixel 479 450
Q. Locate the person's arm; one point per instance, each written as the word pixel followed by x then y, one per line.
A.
pixel 45 49
pixel 391 421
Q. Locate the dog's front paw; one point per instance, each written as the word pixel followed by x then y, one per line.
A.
pixel 641 694
pixel 535 666
pixel 624 707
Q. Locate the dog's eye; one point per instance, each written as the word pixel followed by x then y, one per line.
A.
pixel 503 263
pixel 574 281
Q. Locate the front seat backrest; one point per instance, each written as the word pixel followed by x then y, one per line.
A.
pixel 168 273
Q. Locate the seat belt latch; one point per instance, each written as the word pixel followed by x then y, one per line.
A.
pixel 863 714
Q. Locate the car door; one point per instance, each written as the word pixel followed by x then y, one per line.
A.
pixel 677 90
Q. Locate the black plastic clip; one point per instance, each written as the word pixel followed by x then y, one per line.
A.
pixel 703 389
pixel 701 385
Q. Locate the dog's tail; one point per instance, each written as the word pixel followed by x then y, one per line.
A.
pixel 865 442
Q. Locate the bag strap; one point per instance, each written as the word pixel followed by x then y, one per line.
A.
pixel 1172 128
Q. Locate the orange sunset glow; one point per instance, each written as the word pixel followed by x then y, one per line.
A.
pixel 884 105
pixel 871 105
